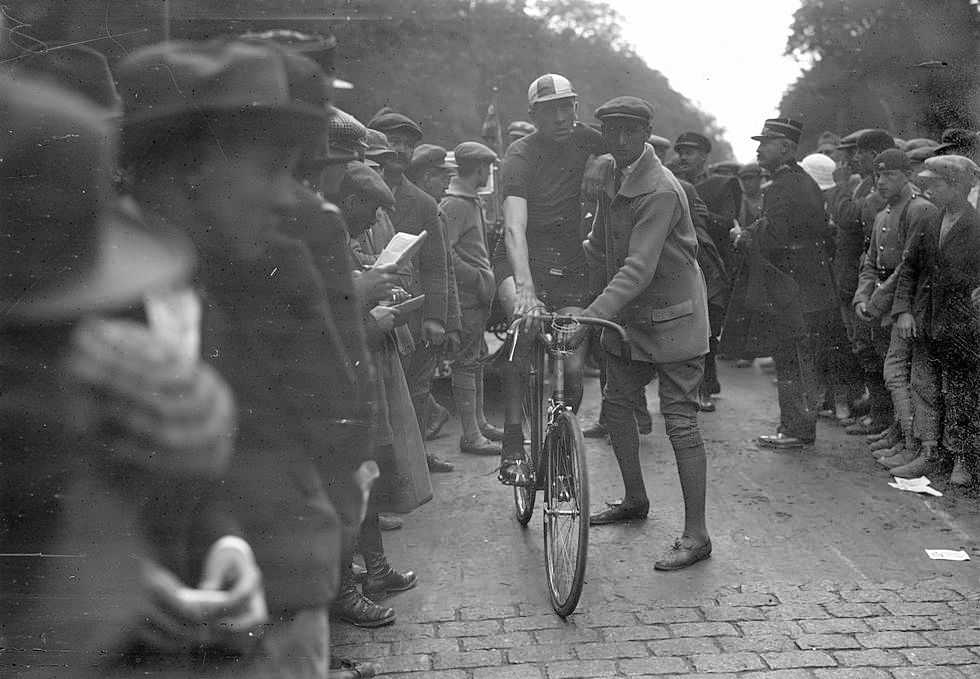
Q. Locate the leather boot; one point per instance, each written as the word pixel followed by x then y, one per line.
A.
pixel 888 441
pixel 960 476
pixel 925 463
pixel 899 458
pixel 382 579
pixel 352 607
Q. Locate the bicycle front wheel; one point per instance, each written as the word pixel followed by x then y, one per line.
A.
pixel 566 514
pixel 532 422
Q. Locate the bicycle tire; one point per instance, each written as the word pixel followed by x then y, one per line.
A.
pixel 566 512
pixel 533 423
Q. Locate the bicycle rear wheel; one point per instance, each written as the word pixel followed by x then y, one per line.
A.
pixel 532 421
pixel 566 513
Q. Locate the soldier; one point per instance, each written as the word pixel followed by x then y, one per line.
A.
pixel 692 151
pixel 788 242
pixel 643 246
pixel 474 278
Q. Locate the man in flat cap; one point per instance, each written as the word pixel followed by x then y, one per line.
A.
pixel 466 235
pixel 644 248
pixel 416 211
pixel 961 142
pixel 905 214
pixel 787 244
pixel 932 308
pixel 539 264
pixel 519 129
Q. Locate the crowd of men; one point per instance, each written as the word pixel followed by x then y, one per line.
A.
pixel 217 389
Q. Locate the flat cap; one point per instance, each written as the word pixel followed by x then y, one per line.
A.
pixel 377 146
pixel 780 128
pixel 750 170
pixel 520 128
pixel 389 121
pixel 658 142
pixel 875 140
pixel 920 153
pixel 951 168
pixel 632 108
pixel 366 183
pixel 891 159
pixel 920 142
pixel 693 140
pixel 548 87
pixel 850 140
pixel 428 156
pixel 958 141
pixel 474 151
pixel 345 132
pixel 729 167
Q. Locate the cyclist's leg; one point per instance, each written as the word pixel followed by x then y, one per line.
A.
pixel 574 366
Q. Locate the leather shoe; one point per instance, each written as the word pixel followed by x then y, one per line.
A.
pixel 514 473
pixel 343 668
pixel 437 420
pixel 960 476
pixel 782 441
pixel 900 458
pixel 866 426
pixel 437 465
pixel 706 404
pixel 596 431
pixel 478 446
pixel 681 556
pixel 388 522
pixel 619 513
pixel 492 433
pixel 925 464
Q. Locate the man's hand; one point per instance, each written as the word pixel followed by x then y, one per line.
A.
pixel 433 332
pixel 227 609
pixel 452 343
pixel 842 173
pixel 906 326
pixel 529 307
pixel 386 317
pixel 861 311
pixel 597 173
pixel 375 284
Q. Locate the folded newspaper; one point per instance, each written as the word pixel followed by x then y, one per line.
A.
pixel 401 248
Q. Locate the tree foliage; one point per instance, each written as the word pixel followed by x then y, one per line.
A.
pixel 437 61
pixel 909 66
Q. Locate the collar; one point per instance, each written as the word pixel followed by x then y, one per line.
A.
pixel 903 196
pixel 639 177
pixel 460 189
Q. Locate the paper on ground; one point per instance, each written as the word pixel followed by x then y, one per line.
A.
pixel 919 485
pixel 948 555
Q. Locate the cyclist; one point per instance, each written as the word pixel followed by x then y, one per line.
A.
pixel 539 265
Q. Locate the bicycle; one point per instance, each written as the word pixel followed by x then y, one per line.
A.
pixel 555 454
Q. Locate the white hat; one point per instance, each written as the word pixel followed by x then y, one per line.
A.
pixel 821 168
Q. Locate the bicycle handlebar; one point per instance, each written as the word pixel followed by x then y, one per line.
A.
pixel 585 320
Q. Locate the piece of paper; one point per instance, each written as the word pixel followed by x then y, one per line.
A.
pixel 401 248
pixel 919 485
pixel 948 555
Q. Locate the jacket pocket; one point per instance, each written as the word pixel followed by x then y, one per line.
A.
pixel 672 312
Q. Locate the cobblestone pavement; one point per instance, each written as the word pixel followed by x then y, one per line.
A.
pixel 819 570
pixel 823 630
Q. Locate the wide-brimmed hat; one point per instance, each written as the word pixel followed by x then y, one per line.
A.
pixel 69 246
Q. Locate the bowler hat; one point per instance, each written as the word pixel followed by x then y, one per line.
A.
pixel 474 151
pixel 693 140
pixel 548 87
pixel 780 128
pixel 69 247
pixel 951 168
pixel 172 80
pixel 428 156
pixel 631 108
pixel 891 159
pixel 389 120
pixel 367 183
pixel 875 141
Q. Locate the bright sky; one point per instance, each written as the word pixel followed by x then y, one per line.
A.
pixel 723 55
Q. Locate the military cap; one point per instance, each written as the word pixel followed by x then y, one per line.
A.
pixel 780 128
pixel 659 142
pixel 958 141
pixel 850 141
pixel 693 140
pixel 631 108
pixel 821 168
pixel 749 170
pixel 918 143
pixel 362 180
pixel 920 153
pixel 474 151
pixel 520 128
pixel 377 146
pixel 345 132
pixel 875 140
pixel 388 121
pixel 951 168
pixel 172 80
pixel 548 87
pixel 70 247
pixel 428 156
pixel 892 159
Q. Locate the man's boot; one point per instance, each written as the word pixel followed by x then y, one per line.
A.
pixel 352 607
pixel 382 579
pixel 925 463
pixel 890 440
pixel 898 456
pixel 960 476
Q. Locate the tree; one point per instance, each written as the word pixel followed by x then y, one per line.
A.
pixel 908 66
